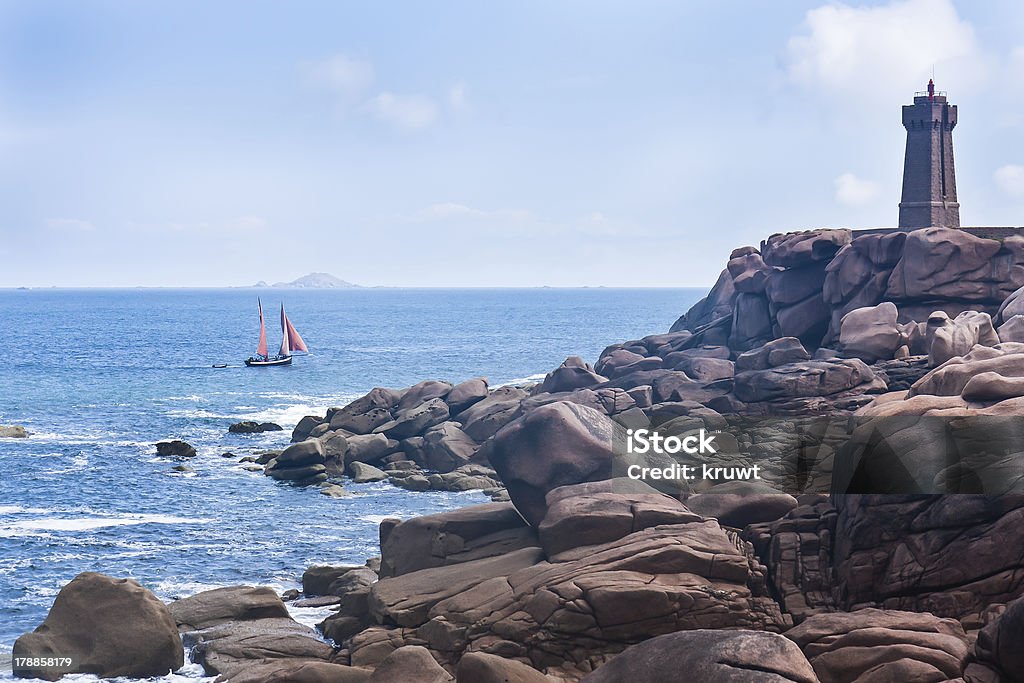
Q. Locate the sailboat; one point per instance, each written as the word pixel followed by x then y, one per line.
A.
pixel 290 341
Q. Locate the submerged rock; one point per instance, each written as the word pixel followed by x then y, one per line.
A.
pixel 251 427
pixel 106 626
pixel 175 449
pixel 13 432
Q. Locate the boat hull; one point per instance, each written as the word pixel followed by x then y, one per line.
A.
pixel 270 362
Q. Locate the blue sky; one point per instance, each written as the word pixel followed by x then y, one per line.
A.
pixel 476 144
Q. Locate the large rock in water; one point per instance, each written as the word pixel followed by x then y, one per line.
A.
pixel 246 630
pixel 309 452
pixel 872 645
pixel 13 432
pixel 175 449
pixel 253 427
pixel 108 627
pixel 554 445
pixel 708 656
pixel 221 605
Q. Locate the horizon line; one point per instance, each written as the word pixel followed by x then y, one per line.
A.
pixel 339 289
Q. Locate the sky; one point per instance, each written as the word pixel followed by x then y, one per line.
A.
pixel 472 143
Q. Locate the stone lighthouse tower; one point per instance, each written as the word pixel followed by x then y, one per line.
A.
pixel 929 185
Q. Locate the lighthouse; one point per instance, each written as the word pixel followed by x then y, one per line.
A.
pixel 929 183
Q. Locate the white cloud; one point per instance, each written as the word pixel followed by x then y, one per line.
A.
pixel 880 52
pixel 1010 179
pixel 70 224
pixel 454 210
pixel 448 210
pixel 854 191
pixel 341 73
pixel 411 112
pixel 457 96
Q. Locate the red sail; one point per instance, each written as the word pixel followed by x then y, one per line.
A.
pixel 261 350
pixel 294 340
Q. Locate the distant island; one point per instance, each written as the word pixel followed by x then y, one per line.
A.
pixel 312 281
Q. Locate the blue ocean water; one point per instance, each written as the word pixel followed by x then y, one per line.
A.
pixel 99 376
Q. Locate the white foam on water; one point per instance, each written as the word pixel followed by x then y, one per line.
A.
pixel 169 589
pixel 190 673
pixel 77 463
pixel 530 379
pixel 18 510
pixel 377 519
pixel 92 523
pixel 285 415
pixel 310 616
pixel 198 413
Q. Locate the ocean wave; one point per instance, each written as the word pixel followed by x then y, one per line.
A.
pixel 198 413
pixel 286 415
pixel 377 519
pixel 92 523
pixel 171 589
pixel 78 462
pixel 310 616
pixel 18 510
pixel 190 673
pixel 529 379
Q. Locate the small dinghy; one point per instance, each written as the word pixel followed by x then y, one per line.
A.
pixel 290 341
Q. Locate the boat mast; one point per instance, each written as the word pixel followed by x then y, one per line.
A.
pixel 285 346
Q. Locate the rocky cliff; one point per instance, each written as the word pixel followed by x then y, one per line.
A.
pixel 876 382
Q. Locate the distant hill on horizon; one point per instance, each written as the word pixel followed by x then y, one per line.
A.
pixel 312 281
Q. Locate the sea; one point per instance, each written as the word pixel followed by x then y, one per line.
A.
pixel 98 377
